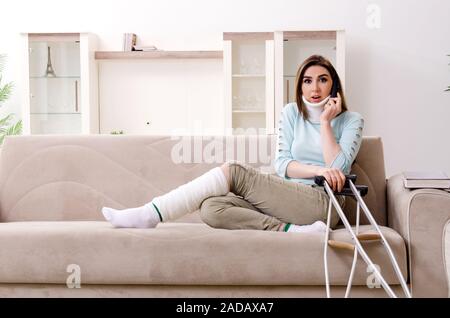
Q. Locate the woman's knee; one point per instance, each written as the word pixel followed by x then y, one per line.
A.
pixel 227 169
pixel 232 163
pixel 226 172
pixel 211 211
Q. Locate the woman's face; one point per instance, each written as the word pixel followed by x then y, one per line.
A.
pixel 316 83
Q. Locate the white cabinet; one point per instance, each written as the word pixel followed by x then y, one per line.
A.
pixel 249 82
pixel 260 73
pixel 60 77
pixel 161 92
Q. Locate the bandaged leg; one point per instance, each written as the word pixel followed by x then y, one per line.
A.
pixel 188 197
pixel 172 205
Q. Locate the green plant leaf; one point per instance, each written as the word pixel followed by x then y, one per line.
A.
pixel 5 121
pixel 12 130
pixel 5 91
pixel 15 129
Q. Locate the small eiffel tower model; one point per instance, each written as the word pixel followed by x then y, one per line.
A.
pixel 49 71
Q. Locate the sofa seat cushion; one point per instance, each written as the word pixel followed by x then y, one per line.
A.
pixel 179 253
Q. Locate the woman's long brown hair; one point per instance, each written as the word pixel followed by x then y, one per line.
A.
pixel 311 61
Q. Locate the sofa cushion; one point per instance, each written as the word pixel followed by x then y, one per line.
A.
pixel 178 254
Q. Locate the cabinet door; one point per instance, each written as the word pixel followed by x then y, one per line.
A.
pixel 248 71
pixel 54 83
pixel 161 96
pixel 143 97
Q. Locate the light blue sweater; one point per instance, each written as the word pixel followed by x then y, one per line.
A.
pixel 300 140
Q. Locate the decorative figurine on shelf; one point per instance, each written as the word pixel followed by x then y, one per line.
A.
pixel 49 72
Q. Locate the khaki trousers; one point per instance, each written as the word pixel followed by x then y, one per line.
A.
pixel 263 201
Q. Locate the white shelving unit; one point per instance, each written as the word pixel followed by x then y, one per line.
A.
pixel 249 74
pixel 259 73
pixel 60 76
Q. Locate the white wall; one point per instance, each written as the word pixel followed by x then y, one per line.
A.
pixel 395 74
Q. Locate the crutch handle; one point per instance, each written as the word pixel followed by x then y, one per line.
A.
pixel 369 237
pixel 363 237
pixel 341 245
pixel 362 189
pixel 319 180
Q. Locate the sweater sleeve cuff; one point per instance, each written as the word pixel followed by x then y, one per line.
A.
pixel 282 168
pixel 339 162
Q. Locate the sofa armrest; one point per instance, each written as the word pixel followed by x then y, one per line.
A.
pixel 420 216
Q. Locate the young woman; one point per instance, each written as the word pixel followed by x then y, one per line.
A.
pixel 317 136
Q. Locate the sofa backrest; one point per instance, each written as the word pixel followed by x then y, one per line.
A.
pixel 370 170
pixel 71 177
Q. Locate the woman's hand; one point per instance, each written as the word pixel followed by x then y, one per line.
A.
pixel 334 177
pixel 332 108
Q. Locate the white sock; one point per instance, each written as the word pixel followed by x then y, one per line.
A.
pixel 316 227
pixel 145 216
pixel 188 197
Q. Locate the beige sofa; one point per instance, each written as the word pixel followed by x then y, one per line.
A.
pixel 52 189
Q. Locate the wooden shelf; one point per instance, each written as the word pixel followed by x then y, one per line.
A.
pixel 309 35
pixel 233 36
pixel 249 75
pixel 242 111
pixel 118 55
pixel 55 113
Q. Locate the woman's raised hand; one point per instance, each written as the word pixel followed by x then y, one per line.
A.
pixel 334 177
pixel 331 109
